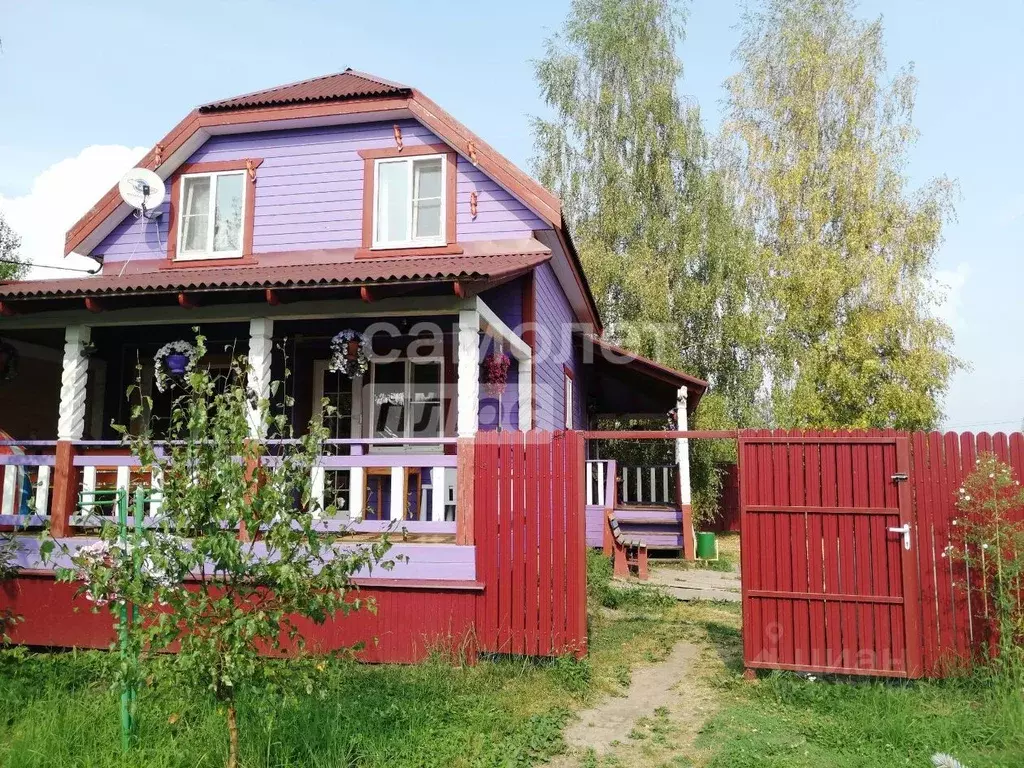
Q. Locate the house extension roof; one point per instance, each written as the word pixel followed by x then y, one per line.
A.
pixel 306 269
pixel 344 85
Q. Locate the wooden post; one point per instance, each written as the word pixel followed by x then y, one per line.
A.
pixel 74 384
pixel 468 374
pixel 464 480
pixel 683 484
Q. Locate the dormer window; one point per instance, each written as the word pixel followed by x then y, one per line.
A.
pixel 409 200
pixel 211 215
pixel 212 209
pixel 409 204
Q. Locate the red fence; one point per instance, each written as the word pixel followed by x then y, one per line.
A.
pixel 828 583
pixel 529 596
pixel 531 549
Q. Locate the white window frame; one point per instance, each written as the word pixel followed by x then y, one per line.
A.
pixel 209 253
pixel 570 386
pixel 407 392
pixel 410 241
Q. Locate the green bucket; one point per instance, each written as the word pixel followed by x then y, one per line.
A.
pixel 707 546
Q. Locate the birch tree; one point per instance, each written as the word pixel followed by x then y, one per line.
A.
pixel 820 137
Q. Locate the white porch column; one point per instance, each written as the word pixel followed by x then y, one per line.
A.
pixel 469 373
pixel 261 345
pixel 683 461
pixel 74 384
pixel 526 393
pixel 682 448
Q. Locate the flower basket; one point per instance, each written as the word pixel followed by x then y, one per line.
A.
pixel 173 361
pixel 350 353
pixel 496 366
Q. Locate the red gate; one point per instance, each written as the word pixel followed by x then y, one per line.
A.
pixel 829 575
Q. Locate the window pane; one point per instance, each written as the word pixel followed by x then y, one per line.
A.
pixel 427 183
pixel 427 178
pixel 195 220
pixel 426 381
pixel 392 202
pixel 428 219
pixel 389 399
pixel 227 225
pixel 426 419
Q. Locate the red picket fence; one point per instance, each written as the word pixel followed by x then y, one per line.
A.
pixel 530 543
pixel 828 584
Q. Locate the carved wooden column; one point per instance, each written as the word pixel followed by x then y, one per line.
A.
pixel 261 346
pixel 70 427
pixel 468 421
pixel 683 462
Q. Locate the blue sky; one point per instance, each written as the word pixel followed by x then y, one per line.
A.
pixel 84 86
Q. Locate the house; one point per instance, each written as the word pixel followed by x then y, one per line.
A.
pixel 345 202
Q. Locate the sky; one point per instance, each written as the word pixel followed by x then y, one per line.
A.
pixel 86 88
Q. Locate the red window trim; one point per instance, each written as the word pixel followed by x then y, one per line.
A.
pixel 248 215
pixel 451 184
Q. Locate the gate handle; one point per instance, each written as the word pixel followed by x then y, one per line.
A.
pixel 905 530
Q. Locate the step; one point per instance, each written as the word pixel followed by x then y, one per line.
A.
pixel 649 516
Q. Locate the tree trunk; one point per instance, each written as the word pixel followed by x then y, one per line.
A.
pixel 232 737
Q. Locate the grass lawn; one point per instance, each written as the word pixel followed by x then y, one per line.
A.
pixel 57 710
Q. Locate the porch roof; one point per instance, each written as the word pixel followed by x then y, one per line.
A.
pixel 627 383
pixel 488 261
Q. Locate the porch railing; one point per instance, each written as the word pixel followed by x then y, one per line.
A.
pixel 27 481
pixel 370 484
pixel 648 484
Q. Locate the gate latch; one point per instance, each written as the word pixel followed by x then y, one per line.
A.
pixel 900 477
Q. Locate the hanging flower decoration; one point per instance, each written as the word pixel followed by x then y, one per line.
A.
pixel 350 353
pixel 173 361
pixel 496 366
pixel 9 359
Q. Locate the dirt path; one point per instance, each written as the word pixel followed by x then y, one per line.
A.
pixel 661 711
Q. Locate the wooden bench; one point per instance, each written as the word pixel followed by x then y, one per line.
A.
pixel 627 552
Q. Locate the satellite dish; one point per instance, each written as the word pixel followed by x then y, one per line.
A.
pixel 142 189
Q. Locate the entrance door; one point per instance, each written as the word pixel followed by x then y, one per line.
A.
pixel 829 562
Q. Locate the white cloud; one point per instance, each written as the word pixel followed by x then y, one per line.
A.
pixel 58 198
pixel 949 302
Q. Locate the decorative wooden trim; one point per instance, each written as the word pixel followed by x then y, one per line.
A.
pixel 249 164
pixel 451 199
pixel 188 301
pixel 94 305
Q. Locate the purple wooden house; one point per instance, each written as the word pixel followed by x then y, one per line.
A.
pixel 346 202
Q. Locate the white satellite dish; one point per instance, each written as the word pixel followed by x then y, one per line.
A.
pixel 142 189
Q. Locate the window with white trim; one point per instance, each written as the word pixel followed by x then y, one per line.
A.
pixel 409 201
pixel 212 218
pixel 408 398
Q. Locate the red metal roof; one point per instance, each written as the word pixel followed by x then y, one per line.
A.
pixel 344 85
pixel 288 272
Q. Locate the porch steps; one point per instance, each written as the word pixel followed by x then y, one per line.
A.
pixel 658 527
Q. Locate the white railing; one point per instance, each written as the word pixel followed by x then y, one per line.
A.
pixel 27 481
pixel 597 472
pixel 648 485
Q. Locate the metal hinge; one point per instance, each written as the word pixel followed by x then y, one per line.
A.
pixel 900 477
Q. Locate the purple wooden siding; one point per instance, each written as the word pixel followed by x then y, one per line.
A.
pixel 507 302
pixel 595 526
pixel 309 192
pixel 554 350
pixel 447 562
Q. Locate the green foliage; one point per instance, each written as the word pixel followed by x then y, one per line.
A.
pixel 819 145
pixel 988 537
pixel 602 591
pixel 205 583
pixel 788 722
pixel 56 712
pixel 11 265
pixel 8 549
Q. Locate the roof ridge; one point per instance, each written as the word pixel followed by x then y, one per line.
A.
pixel 306 81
